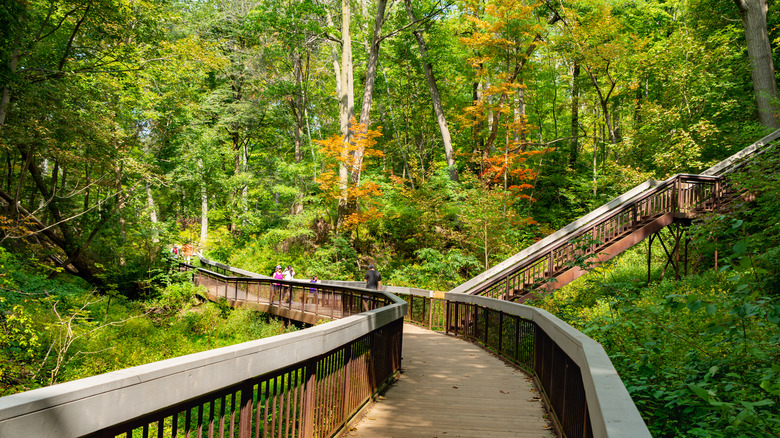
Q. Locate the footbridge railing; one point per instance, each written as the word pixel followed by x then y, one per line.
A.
pixel 303 384
pixel 610 229
pixel 579 384
pixel 298 300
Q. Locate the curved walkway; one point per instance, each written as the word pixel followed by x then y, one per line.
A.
pixel 452 388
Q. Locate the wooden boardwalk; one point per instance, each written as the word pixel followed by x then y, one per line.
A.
pixel 451 388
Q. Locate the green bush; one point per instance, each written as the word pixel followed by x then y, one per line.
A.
pixel 698 356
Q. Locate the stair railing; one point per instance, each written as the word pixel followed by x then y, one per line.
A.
pixel 582 241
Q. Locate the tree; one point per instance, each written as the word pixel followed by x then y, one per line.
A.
pixel 358 193
pixel 67 74
pixel 762 69
pixel 435 96
pixel 504 37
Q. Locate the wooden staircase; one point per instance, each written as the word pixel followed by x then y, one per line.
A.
pixel 614 227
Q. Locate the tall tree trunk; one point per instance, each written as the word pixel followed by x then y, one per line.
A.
pixel 519 131
pixel 297 104
pixel 762 68
pixel 334 56
pixel 435 96
pixel 368 90
pixel 204 207
pixel 152 206
pixel 575 113
pixel 346 106
pixel 120 203
pixel 5 98
pixel 244 187
pixel 476 96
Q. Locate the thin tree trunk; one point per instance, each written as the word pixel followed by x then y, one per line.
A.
pixel 334 56
pixel 204 207
pixel 435 96
pixel 5 99
pixel 297 104
pixel 368 90
pixel 476 134
pixel 575 113
pixel 150 204
pixel 245 169
pixel 120 203
pixel 595 147
pixel 519 118
pixel 88 184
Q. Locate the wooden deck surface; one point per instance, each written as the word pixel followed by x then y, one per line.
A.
pixel 451 388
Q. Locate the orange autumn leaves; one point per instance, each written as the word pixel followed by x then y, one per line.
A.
pixel 342 179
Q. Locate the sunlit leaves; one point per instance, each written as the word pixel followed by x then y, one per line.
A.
pixel 341 154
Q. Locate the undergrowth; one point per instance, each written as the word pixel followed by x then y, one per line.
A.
pixel 52 332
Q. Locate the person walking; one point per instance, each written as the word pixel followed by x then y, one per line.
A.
pixel 289 274
pixel 373 278
pixel 278 275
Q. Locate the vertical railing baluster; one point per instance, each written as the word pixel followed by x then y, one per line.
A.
pixel 245 412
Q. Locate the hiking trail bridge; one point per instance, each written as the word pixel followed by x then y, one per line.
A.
pixel 476 362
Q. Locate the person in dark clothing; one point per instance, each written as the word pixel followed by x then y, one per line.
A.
pixel 373 278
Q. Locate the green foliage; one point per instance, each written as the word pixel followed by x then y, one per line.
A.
pixel 52 332
pixel 435 271
pixel 179 296
pixel 698 356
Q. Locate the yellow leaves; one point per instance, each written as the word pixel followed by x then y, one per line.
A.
pixel 346 152
pixel 500 25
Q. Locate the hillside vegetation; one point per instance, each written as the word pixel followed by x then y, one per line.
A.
pixel 53 332
pixel 699 356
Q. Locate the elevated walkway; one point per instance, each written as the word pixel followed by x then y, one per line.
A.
pixel 612 228
pixel 452 388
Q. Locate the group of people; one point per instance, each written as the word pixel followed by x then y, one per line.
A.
pixel 182 250
pixel 373 280
pixel 287 274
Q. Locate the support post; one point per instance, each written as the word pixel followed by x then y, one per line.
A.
pixel 245 415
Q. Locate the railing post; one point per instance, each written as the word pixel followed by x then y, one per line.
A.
pixel 245 415
pixel 676 196
pixel 718 188
pixel 307 416
pixel 347 364
pixel 486 311
pixel 500 332
pixel 430 313
pixel 550 265
pixel 447 317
